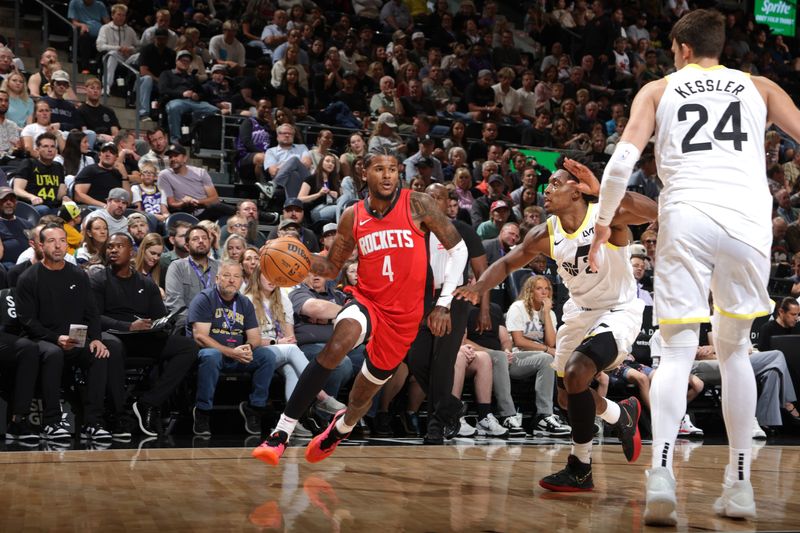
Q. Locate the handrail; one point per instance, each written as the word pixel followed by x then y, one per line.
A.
pixel 46 34
pixel 135 87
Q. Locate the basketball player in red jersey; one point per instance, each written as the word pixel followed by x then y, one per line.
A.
pixel 389 228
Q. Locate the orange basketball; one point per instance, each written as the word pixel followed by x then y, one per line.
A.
pixel 285 261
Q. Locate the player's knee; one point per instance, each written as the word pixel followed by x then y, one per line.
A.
pixel 578 373
pixel 735 331
pixel 679 335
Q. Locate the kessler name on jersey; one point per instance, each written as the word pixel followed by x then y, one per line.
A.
pixel 385 239
pixel 706 86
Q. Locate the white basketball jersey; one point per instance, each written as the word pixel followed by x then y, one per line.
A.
pixel 709 150
pixel 612 286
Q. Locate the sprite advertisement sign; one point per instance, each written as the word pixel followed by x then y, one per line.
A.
pixel 779 15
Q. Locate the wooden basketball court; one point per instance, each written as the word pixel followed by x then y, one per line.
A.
pixel 485 487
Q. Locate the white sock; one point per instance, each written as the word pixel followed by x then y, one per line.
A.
pixel 343 428
pixel 668 389
pixel 611 414
pixel 738 468
pixel 582 451
pixel 286 424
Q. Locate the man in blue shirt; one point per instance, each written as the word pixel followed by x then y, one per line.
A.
pixel 12 228
pixel 224 324
pixel 88 16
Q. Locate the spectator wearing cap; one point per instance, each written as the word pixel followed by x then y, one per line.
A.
pixel 287 164
pixel 424 156
pixel 13 239
pixel 499 213
pixel 293 210
pixel 289 228
pixel 94 182
pixel 417 54
pixel 155 57
pixel 113 212
pixel 479 99
pixel 396 16
pixel 384 134
pixel 183 93
pixel 189 189
pixel 217 89
pixel 117 41
pixel 495 190
pixel 138 227
pixel 88 16
pixel 357 108
pixel 226 50
pixel 62 111
pixel 40 180
pixel 71 214
pixel 328 236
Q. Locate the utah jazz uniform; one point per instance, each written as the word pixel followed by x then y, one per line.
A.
pixel 715 208
pixel 602 304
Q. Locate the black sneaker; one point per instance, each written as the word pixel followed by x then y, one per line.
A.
pixel 149 419
pixel 252 418
pixel 202 422
pixel 56 431
pixel 627 428
pixel 122 428
pixel 411 424
pixel 576 477
pixel 22 430
pixel 383 425
pixel 435 433
pixel 95 431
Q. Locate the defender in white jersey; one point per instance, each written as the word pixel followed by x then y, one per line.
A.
pixel 715 235
pixel 601 318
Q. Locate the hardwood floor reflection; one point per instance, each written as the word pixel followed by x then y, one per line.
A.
pixel 370 488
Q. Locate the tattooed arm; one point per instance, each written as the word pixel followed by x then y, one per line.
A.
pixel 330 266
pixel 427 215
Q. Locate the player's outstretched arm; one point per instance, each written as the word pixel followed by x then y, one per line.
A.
pixel 635 209
pixel 330 266
pixel 781 110
pixel 536 241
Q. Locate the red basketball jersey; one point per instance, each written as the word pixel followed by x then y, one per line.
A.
pixel 392 273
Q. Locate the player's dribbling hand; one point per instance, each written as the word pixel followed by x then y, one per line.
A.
pixel 601 236
pixel 439 321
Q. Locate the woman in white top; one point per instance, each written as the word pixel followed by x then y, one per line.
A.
pixel 276 324
pixel 41 123
pixel 291 58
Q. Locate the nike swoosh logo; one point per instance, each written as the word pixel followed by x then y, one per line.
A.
pixel 362 222
pixel 581 479
pixel 630 420
pixel 616 310
pixel 556 243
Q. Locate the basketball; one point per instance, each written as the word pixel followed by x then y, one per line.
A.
pixel 285 261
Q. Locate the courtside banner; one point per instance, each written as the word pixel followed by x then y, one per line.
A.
pixel 779 15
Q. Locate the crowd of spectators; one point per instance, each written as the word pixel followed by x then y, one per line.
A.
pixel 460 93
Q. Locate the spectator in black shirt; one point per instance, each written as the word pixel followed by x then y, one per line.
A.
pixel 255 88
pixel 478 98
pixel 40 181
pixel 97 117
pixel 62 110
pixel 181 89
pixel 13 240
pixel 478 150
pixel 93 183
pixel 51 296
pixel 129 302
pixel 154 59
pixel 784 324
pixel 539 134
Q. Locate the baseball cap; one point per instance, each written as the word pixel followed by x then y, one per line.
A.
pixel 118 193
pixel 417 35
pixel 484 72
pixel 349 74
pixel 330 227
pixel 292 202
pixel 426 139
pixel 69 211
pixel 425 162
pixel 218 68
pixel 388 119
pixel 60 75
pixel 161 32
pixel 183 53
pixel 496 178
pixel 637 250
pixel 286 222
pixel 5 191
pixel 498 204
pixel 398 35
pixel 133 217
pixel 175 149
pixel 109 147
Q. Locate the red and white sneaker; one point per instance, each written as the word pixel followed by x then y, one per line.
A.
pixel 627 428
pixel 325 443
pixel 271 450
